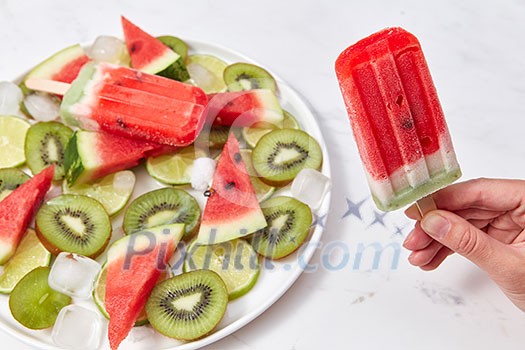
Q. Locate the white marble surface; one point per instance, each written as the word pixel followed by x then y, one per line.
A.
pixel 476 53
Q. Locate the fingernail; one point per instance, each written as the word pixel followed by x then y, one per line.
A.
pixel 435 225
pixel 409 238
pixel 413 213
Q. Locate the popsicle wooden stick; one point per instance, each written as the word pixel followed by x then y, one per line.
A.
pixel 46 85
pixel 426 204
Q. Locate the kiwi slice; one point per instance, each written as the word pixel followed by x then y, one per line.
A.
pixel 252 135
pixel 213 137
pixel 45 145
pixel 247 76
pixel 161 207
pixel 188 306
pixel 176 44
pixel 73 223
pixel 33 303
pixel 10 180
pixel 289 221
pixel 281 154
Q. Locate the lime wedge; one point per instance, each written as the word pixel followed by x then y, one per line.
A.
pixel 262 190
pixel 207 72
pixel 99 294
pixel 12 139
pixel 253 135
pixel 235 261
pixel 29 255
pixel 112 191
pixel 175 168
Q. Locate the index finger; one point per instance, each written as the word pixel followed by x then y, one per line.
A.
pixel 486 194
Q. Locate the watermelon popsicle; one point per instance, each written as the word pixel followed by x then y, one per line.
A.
pixel 396 118
pixel 130 103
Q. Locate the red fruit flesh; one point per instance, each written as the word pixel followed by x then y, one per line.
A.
pixel 69 72
pixel 120 153
pixel 242 108
pixel 128 287
pixel 18 209
pixel 142 47
pixel 391 100
pixel 232 192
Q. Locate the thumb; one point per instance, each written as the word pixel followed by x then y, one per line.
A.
pixel 462 237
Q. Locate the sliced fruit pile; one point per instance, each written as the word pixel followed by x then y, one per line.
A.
pixel 248 149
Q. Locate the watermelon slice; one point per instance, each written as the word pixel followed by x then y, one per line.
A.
pixel 18 209
pixel 134 266
pixel 232 210
pixel 62 66
pixel 150 55
pixel 245 108
pixel 90 155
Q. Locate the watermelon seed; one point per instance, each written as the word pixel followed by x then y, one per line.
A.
pixel 136 46
pixel 121 123
pixel 237 157
pixel 230 185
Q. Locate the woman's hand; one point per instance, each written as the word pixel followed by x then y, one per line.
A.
pixel 482 220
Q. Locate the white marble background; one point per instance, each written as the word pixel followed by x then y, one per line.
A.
pixel 476 51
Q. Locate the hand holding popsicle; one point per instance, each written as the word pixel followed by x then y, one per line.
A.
pixel 407 153
pixel 482 220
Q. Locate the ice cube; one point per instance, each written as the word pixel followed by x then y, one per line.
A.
pixel 200 75
pixel 202 173
pixel 74 275
pixel 42 107
pixel 109 49
pixel 310 187
pixel 10 97
pixel 77 328
pixel 139 334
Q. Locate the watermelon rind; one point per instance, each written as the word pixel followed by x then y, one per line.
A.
pixel 52 65
pixel 80 157
pixel 273 113
pixel 75 93
pixel 160 63
pixel 177 71
pixel 225 231
pixel 176 44
pixel 142 241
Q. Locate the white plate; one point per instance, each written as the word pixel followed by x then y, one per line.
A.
pixel 272 283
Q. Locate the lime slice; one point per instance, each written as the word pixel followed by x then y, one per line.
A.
pixel 112 191
pixel 12 139
pixel 175 168
pixel 289 121
pixel 99 294
pixel 235 261
pixel 262 190
pixel 207 71
pixel 253 135
pixel 29 255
